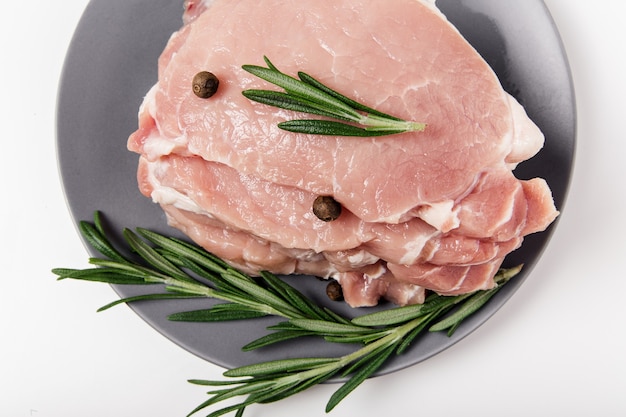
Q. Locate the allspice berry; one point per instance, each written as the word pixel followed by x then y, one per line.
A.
pixel 326 208
pixel 205 84
pixel 334 291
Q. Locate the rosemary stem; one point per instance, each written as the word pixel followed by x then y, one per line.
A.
pixel 394 336
pixel 189 287
pixel 204 291
pixel 376 123
pixel 391 338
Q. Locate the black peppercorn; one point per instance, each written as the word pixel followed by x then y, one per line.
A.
pixel 326 208
pixel 334 291
pixel 205 84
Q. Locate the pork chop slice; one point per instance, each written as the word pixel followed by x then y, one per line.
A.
pixel 435 210
pixel 421 67
pixel 283 215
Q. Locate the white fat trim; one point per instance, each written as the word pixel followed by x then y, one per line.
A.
pixel 443 216
pixel 411 291
pixel 378 273
pixel 156 145
pixel 362 258
pixel 414 248
pixel 168 195
pixel 510 208
pixel 460 281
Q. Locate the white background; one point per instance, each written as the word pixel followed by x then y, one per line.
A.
pixel 556 348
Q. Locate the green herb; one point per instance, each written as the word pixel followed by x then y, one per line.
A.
pixel 187 271
pixel 307 95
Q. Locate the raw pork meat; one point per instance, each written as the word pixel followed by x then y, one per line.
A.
pixel 435 210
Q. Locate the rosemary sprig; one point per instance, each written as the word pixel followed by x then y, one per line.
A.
pixel 307 95
pixel 187 271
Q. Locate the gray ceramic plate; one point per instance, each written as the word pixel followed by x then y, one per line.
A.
pixel 112 62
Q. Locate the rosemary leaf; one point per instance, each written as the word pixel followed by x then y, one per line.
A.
pixel 359 377
pixel 239 408
pixel 354 104
pixel 63 273
pixel 98 223
pixel 336 317
pixel 269 63
pixel 275 337
pixel 289 102
pixel 364 360
pixel 285 326
pixel 220 412
pixel 200 271
pixel 281 366
pixel 452 329
pixel 505 274
pixel 301 386
pixel 309 308
pixel 261 295
pixel 104 275
pixel 210 383
pixel 413 334
pixel 470 306
pixel 145 297
pixel 153 257
pixel 233 312
pixel 300 89
pixel 391 316
pixel 200 407
pixel 96 238
pixel 245 389
pixel 332 128
pixel 437 302
pixel 125 268
pixel 363 338
pixel 185 250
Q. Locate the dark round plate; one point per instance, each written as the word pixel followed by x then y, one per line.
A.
pixel 112 62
